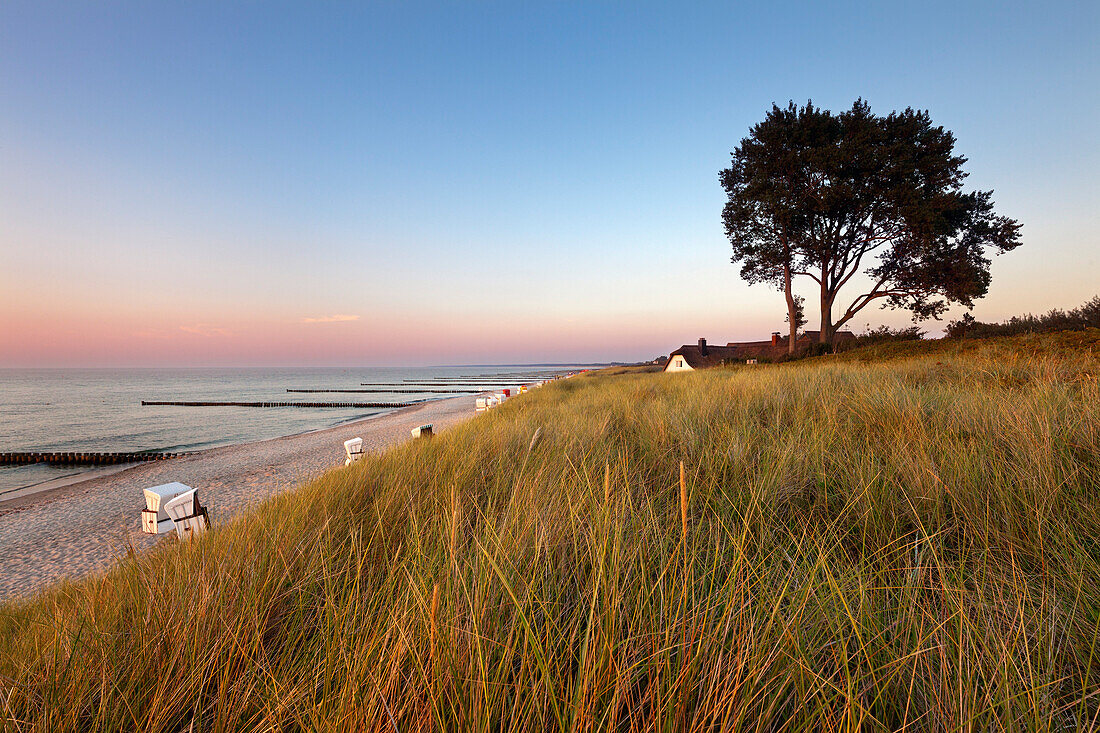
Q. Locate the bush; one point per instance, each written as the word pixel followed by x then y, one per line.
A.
pixel 885 334
pixel 1076 319
pixel 818 350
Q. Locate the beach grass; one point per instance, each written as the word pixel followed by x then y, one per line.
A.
pixel 906 536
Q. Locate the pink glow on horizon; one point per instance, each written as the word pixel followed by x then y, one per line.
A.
pixel 54 340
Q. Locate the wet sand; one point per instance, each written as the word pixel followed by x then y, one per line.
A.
pixel 73 530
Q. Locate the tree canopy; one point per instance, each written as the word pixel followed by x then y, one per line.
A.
pixel 833 197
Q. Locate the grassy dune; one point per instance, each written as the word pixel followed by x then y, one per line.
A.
pixel 907 537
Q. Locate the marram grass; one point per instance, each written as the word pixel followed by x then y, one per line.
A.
pixel 910 543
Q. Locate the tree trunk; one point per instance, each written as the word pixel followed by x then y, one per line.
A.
pixel 792 308
pixel 827 328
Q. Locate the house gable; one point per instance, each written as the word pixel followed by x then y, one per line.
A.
pixel 677 363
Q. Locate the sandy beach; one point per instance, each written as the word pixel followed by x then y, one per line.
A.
pixel 81 528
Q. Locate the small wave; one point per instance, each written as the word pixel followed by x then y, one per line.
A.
pixel 355 418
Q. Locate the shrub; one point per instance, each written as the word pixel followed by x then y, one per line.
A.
pixel 884 334
pixel 1076 319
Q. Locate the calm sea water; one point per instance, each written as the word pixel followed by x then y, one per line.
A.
pixel 100 409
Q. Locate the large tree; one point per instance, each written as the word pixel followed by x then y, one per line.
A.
pixel 762 216
pixel 854 198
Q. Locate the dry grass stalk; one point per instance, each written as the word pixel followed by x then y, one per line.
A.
pixel 606 483
pixel 434 618
pixel 683 504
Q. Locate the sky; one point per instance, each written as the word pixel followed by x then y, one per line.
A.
pixel 408 183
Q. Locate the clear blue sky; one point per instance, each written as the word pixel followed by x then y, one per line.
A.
pixel 235 183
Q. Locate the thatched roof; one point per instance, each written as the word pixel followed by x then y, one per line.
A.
pixel 703 356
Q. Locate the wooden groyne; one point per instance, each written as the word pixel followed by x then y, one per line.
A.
pixel 476 380
pixel 82 459
pixel 425 386
pixel 396 390
pixel 371 405
pixel 455 382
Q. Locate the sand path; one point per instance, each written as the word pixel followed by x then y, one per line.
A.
pixel 83 528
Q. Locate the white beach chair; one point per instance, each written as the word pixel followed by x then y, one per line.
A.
pixel 154 518
pixel 354 449
pixel 188 515
pixel 481 404
pixel 424 431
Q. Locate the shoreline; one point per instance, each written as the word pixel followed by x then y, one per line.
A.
pixel 62 486
pixel 46 486
pixel 83 528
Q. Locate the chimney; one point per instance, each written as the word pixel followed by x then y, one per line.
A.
pixel 703 347
pixel 775 338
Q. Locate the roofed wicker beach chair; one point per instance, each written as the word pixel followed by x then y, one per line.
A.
pixel 188 515
pixel 423 431
pixel 154 518
pixel 354 449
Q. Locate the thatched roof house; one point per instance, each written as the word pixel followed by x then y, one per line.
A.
pixel 702 355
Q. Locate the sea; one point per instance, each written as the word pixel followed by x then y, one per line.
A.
pixel 100 410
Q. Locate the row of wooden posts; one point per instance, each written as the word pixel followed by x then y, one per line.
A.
pixel 81 459
pixel 396 390
pixel 174 403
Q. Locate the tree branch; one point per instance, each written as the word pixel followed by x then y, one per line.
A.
pixel 866 298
